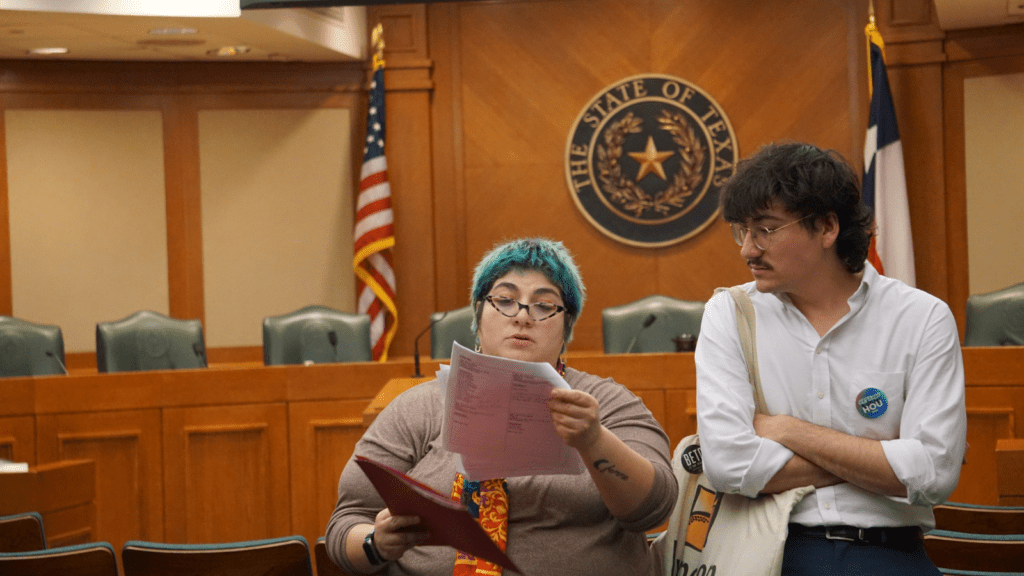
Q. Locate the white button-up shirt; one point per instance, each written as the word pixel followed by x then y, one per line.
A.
pixel 896 339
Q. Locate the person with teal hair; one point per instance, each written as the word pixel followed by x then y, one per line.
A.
pixel 592 523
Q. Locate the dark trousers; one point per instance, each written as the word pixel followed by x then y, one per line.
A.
pixel 815 556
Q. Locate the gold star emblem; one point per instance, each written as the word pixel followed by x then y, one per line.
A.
pixel 650 160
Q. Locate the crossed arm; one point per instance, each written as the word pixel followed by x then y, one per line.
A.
pixel 825 457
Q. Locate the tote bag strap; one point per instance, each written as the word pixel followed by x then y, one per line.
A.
pixel 746 324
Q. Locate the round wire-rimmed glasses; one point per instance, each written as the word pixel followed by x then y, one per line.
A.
pixel 761 235
pixel 537 311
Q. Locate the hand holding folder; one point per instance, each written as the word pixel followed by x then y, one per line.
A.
pixel 448 521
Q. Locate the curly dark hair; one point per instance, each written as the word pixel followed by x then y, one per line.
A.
pixel 809 182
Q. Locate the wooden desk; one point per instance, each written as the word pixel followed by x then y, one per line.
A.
pixel 389 392
pixel 61 492
pixel 239 452
pixel 1010 471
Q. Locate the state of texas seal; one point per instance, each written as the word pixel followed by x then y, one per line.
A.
pixel 646 158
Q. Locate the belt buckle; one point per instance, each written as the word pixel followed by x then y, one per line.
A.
pixel 830 536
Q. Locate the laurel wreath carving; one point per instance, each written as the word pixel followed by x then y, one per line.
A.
pixel 624 191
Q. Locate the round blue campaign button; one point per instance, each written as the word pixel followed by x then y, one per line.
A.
pixel 872 403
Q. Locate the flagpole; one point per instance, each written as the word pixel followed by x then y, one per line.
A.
pixel 374 223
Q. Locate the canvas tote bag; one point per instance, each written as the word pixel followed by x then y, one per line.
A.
pixel 717 534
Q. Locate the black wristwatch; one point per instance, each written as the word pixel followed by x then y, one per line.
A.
pixel 370 549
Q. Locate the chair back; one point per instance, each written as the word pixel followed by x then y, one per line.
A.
pixel 983 552
pixel 287 556
pixel 324 565
pixel 623 326
pixel 92 559
pixel 22 532
pixel 316 334
pixel 996 318
pixel 979 519
pixel 29 349
pixel 149 341
pixel 448 327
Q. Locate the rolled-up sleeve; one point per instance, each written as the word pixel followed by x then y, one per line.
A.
pixel 736 460
pixel 933 428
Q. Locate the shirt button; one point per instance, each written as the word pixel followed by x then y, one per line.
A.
pixel 821 395
pixel 828 506
pixel 817 350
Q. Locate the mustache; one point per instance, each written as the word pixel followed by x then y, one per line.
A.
pixel 757 262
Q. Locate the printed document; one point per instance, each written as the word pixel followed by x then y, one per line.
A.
pixel 496 417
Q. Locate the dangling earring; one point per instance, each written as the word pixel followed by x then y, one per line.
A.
pixel 477 347
pixel 560 364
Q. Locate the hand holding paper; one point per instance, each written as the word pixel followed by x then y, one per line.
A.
pixel 497 417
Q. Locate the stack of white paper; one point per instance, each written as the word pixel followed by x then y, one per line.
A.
pixel 496 417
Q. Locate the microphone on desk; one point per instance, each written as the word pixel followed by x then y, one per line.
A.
pixel 416 346
pixel 647 323
pixel 59 363
pixel 332 337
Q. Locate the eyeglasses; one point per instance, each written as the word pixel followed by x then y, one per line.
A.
pixel 537 311
pixel 761 235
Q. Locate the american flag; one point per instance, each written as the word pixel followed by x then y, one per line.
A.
pixel 885 183
pixel 374 231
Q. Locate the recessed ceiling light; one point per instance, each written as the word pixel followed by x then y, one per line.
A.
pixel 173 31
pixel 228 51
pixel 48 51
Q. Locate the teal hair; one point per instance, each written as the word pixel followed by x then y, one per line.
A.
pixel 546 256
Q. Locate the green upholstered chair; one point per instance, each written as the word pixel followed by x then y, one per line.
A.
pixel 448 327
pixel 92 559
pixel 996 318
pixel 964 551
pixel 288 556
pixel 624 326
pixel 316 334
pixel 22 532
pixel 149 341
pixel 979 518
pixel 324 565
pixel 29 349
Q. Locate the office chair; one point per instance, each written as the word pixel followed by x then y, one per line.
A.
pixel 986 552
pixel 996 318
pixel 651 324
pixel 979 518
pixel 22 532
pixel 288 556
pixel 448 327
pixel 29 349
pixel 316 334
pixel 324 565
pixel 149 341
pixel 92 559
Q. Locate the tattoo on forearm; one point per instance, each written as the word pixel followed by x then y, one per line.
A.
pixel 603 466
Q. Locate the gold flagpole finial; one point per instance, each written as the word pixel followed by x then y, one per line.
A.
pixel 871 13
pixel 377 41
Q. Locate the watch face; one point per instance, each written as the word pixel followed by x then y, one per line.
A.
pixel 370 549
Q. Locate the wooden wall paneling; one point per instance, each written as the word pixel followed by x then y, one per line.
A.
pixel 6 289
pixel 451 263
pixel 225 473
pixel 125 446
pixel 18 439
pixel 914 58
pixel 184 211
pixel 322 437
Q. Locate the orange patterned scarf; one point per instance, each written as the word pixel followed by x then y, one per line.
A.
pixel 487 501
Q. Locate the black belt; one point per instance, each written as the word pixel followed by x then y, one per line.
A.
pixel 873 536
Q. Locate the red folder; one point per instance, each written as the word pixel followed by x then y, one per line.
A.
pixel 448 521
